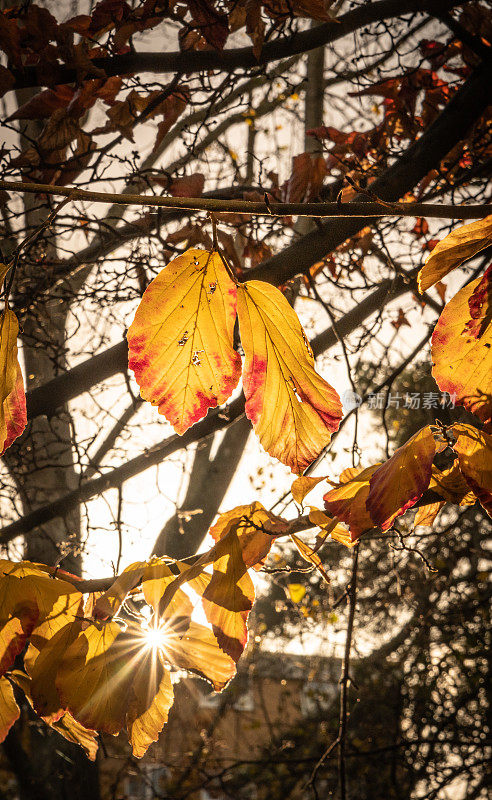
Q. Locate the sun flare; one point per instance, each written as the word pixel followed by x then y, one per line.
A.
pixel 155 638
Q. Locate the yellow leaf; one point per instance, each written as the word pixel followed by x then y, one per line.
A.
pixel 229 596
pixel 156 578
pixel 94 677
pixel 458 246
pixel 474 450
pixel 310 556
pixel 109 603
pixel 148 709
pixel 32 604
pixel 66 726
pixel 13 416
pixel 293 410
pixel 426 515
pixel 296 591
pixel 302 486
pixel 181 340
pixel 197 650
pixel 463 363
pixel 43 671
pixel 9 710
pixel 111 677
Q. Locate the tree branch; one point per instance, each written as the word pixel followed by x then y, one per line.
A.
pixel 359 209
pixel 189 62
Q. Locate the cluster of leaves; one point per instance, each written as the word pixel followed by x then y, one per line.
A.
pixel 98 663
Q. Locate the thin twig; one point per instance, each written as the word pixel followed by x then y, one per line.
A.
pixel 354 209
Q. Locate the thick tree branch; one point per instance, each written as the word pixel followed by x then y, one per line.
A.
pixel 425 154
pixel 189 62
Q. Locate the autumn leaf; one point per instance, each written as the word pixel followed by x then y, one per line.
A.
pixel 66 725
pixel 110 677
pixel 401 481
pixel 347 501
pixel 462 363
pixel 426 515
pixel 43 671
pixel 157 576
pixel 256 529
pixel 151 697
pixel 451 485
pixel 330 526
pixel 181 340
pixel 197 650
pixel 32 604
pixel 109 603
pixel 229 597
pixel 296 591
pixel 480 305
pixel 94 676
pixel 13 416
pixel 293 410
pixel 302 486
pixel 9 710
pixel 460 245
pixel 474 450
pixel 310 555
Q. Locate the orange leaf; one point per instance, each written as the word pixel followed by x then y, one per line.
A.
pixel 293 410
pixel 474 450
pixel 229 597
pixel 347 502
pixel 400 482
pixel 197 650
pixel 310 555
pixel 256 529
pixel 302 486
pixel 13 417
pixel 460 245
pixel 9 710
pixel 181 340
pixel 462 363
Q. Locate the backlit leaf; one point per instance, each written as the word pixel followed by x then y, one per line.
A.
pixel 426 515
pixel 462 363
pixel 310 555
pixel 474 450
pixel 330 526
pixel 149 704
pixel 110 602
pixel 480 305
pixel 302 486
pixel 256 529
pixel 13 417
pixel 66 725
pixel 460 245
pixel 197 650
pixel 398 483
pixel 9 710
pixel 181 340
pixel 293 410
pixel 94 677
pixel 228 598
pixel 43 671
pixel 347 502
